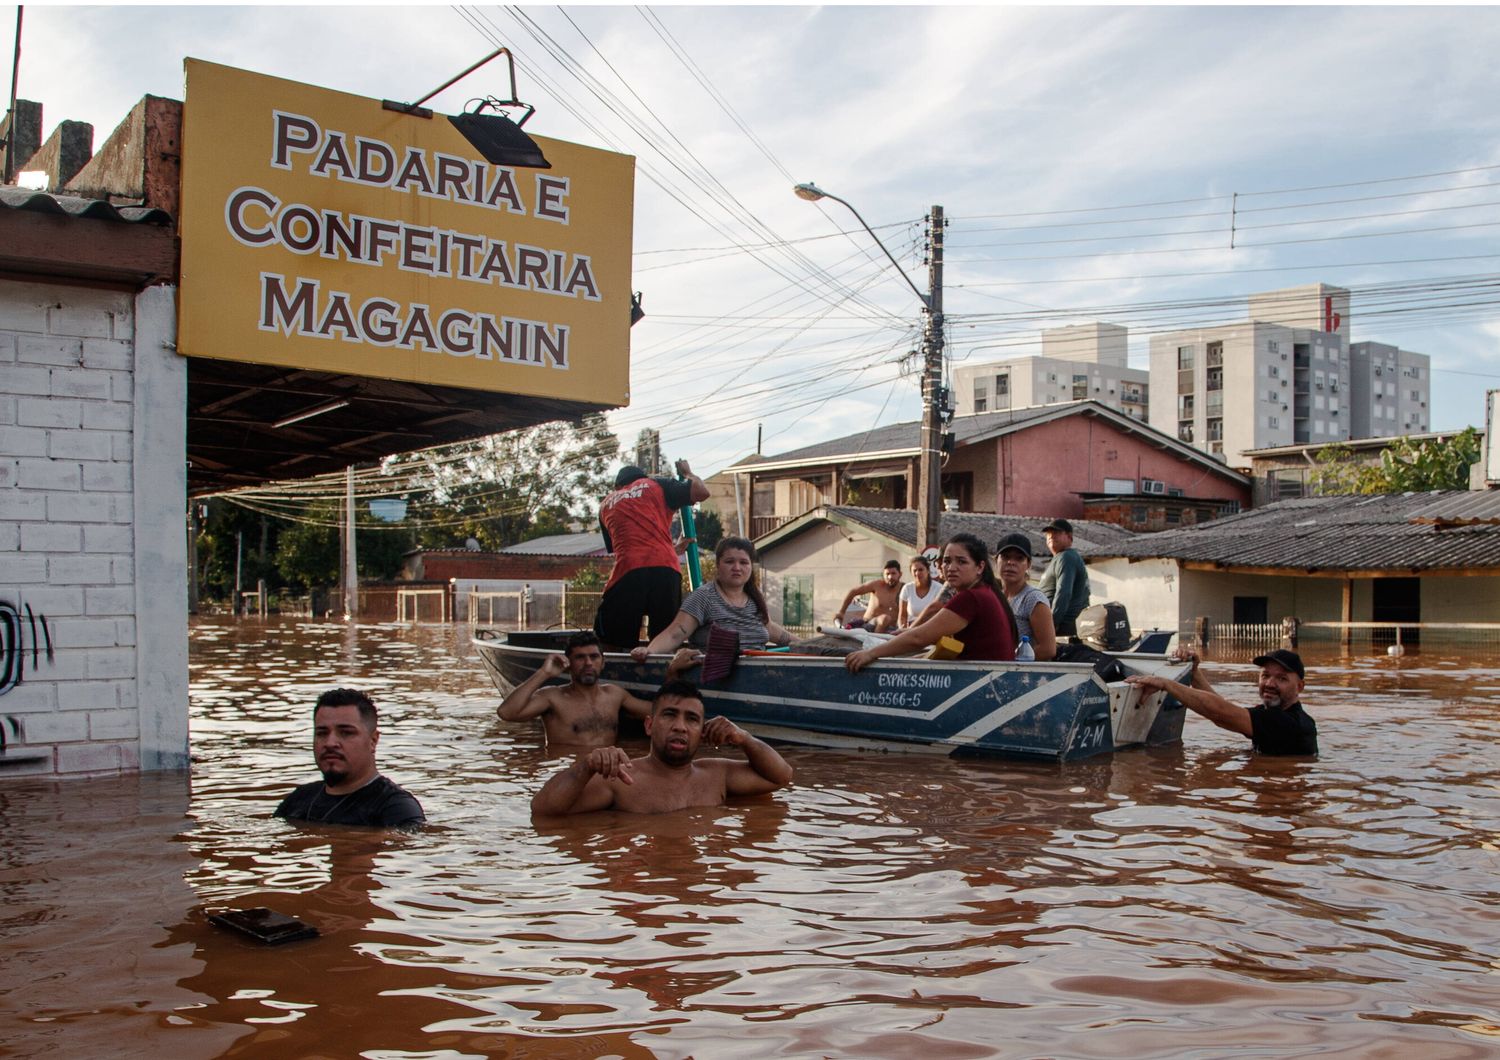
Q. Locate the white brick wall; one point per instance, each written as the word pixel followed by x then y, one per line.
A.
pixel 72 528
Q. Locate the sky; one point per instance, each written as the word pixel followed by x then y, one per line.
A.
pixel 1090 162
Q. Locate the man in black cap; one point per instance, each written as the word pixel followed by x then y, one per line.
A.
pixel 1278 726
pixel 636 518
pixel 1066 582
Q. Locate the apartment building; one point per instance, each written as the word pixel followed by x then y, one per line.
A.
pixel 1390 389
pixel 1079 362
pixel 1287 376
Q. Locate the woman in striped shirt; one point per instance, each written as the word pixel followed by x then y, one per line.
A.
pixel 731 601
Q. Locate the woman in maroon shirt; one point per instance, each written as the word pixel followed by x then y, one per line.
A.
pixel 977 614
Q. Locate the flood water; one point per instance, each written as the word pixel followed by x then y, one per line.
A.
pixel 1192 901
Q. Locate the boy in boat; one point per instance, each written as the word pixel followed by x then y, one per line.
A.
pixel 667 777
pixel 586 711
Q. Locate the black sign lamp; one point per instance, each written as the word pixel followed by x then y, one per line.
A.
pixel 498 140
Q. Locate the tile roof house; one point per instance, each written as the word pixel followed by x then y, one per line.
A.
pixel 1036 461
pixel 1411 557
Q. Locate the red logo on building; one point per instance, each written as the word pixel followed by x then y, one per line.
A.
pixel 1331 320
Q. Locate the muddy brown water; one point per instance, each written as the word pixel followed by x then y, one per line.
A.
pixel 1193 901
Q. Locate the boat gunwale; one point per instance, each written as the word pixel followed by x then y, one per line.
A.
pixel 783 658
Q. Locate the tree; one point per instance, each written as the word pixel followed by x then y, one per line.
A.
pixel 307 553
pixel 1405 466
pixel 710 529
pixel 503 487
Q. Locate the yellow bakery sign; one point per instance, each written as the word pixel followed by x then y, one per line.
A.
pixel 325 232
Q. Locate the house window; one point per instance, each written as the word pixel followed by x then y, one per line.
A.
pixel 1273 422
pixel 1216 430
pixel 1216 379
pixel 1080 387
pixel 1288 482
pixel 1273 370
pixel 1002 385
pixel 1272 346
pixel 981 405
pixel 1185 431
pixel 1174 517
pixel 1184 358
pixel 796 599
pixel 1214 355
pixel 1185 407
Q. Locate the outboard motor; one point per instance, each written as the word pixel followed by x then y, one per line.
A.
pixel 1105 627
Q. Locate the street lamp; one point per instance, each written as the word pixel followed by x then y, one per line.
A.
pixel 929 493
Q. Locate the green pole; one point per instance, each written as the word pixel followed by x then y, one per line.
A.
pixel 690 531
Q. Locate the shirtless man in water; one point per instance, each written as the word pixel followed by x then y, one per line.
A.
pixel 586 711
pixel 666 778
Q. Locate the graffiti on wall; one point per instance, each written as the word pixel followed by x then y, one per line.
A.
pixel 18 634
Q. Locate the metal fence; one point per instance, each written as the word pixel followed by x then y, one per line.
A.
pixel 1231 640
pixel 423 605
pixel 538 608
pixel 1376 636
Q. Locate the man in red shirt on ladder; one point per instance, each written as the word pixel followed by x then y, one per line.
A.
pixel 636 518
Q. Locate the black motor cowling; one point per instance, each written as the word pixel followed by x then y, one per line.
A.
pixel 1105 627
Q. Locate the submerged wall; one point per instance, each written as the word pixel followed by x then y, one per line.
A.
pixel 93 566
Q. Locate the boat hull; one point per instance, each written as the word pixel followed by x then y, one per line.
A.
pixel 1057 711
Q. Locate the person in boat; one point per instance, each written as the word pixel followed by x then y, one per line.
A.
pixel 1276 726
pixel 977 615
pixel 731 601
pixel 918 594
pixel 667 777
pixel 883 610
pixel 346 729
pixel 1066 581
pixel 1027 602
pixel 585 711
pixel 636 518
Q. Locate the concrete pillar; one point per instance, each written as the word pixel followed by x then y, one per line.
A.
pixel 161 593
pixel 66 151
pixel 22 132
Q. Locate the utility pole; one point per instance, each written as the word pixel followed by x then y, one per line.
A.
pixel 928 486
pixel 930 494
pixel 351 555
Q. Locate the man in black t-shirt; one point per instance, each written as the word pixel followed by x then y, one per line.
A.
pixel 1278 726
pixel 352 791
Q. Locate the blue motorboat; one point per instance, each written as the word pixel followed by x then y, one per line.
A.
pixel 1035 710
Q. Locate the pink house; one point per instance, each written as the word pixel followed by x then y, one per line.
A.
pixel 1040 461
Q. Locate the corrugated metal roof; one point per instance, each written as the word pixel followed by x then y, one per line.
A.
pixel 1354 533
pixel 560 545
pixel 1462 509
pixel 13 198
